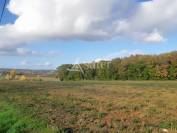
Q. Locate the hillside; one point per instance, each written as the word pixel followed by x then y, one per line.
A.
pixel 138 67
pixel 28 71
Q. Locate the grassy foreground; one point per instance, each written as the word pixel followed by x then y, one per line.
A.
pixel 110 107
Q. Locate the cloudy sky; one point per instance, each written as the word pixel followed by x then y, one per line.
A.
pixel 40 34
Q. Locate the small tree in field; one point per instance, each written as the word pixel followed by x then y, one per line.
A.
pixel 7 77
pixel 12 74
pixel 23 78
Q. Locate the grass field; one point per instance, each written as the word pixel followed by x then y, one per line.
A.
pixel 88 107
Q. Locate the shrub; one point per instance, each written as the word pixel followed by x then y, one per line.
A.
pixel 23 78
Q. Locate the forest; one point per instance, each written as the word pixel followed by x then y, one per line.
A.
pixel 135 67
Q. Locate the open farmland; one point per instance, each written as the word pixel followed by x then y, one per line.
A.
pixel 89 106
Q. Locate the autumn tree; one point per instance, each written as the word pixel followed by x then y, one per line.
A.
pixel 138 67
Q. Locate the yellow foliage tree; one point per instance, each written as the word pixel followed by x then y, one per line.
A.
pixel 12 74
pixel 23 78
pixel 7 77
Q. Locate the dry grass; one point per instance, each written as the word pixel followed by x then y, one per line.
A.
pixel 124 106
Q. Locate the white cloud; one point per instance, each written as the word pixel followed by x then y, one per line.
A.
pixel 25 63
pixel 87 20
pixel 45 64
pixel 160 15
pixel 120 54
pixel 155 36
pixel 23 52
pixel 27 52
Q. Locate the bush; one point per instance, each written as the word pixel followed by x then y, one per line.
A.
pixel 23 78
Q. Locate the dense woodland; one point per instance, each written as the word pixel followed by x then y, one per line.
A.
pixel 137 67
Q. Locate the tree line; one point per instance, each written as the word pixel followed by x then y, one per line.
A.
pixel 135 67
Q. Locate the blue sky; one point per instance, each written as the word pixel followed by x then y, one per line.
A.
pixel 50 53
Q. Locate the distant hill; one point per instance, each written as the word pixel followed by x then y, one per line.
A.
pixel 135 67
pixel 28 71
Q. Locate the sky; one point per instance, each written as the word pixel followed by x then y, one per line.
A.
pixel 39 34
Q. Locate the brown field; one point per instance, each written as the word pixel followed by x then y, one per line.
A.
pixel 91 107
